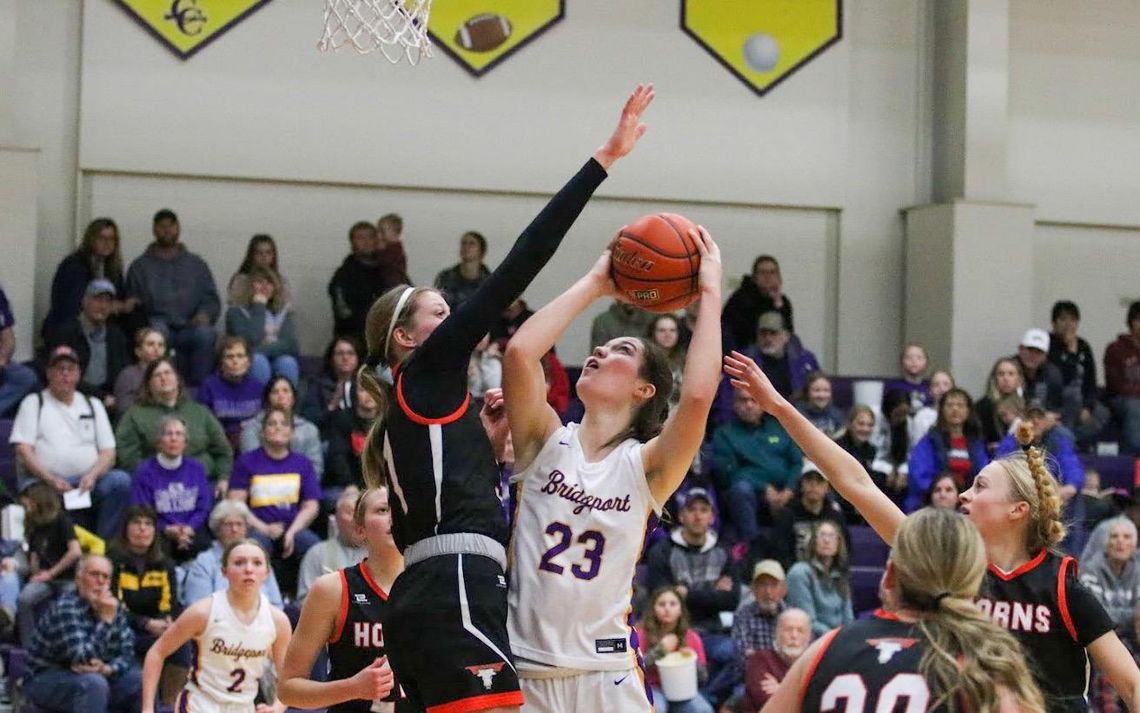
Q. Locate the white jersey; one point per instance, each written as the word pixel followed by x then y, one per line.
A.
pixel 231 656
pixel 578 533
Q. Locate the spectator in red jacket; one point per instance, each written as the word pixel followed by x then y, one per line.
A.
pixel 1122 379
pixel 767 667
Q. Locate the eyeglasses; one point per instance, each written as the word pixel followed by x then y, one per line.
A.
pixel 233 523
pixel 97 575
pixel 826 536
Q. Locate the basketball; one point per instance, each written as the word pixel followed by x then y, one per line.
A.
pixel 654 262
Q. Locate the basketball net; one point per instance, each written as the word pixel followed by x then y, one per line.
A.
pixel 397 28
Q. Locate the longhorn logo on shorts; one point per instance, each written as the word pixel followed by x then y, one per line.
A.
pixel 889 647
pixel 486 672
pixel 186 26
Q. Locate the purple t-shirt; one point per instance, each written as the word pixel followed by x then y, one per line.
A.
pixel 231 402
pixel 276 487
pixel 181 496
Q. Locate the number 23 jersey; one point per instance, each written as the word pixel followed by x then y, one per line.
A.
pixel 578 532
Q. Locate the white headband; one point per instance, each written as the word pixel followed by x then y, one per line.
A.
pixel 395 316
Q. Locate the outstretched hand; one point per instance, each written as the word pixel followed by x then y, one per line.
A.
pixel 748 377
pixel 629 128
pixel 711 268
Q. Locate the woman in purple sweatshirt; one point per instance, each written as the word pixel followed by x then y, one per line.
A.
pixel 176 487
pixel 231 392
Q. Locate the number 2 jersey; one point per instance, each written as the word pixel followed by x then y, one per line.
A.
pixel 578 532
pixel 230 656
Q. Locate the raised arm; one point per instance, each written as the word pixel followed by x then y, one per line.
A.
pixel 667 456
pixel 449 347
pixel 845 474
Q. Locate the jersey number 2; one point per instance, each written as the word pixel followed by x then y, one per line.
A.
pixel 238 675
pixel 851 689
pixel 595 545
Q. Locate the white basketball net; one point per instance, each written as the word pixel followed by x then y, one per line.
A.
pixel 397 28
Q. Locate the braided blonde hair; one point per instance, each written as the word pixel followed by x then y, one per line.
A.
pixel 1031 481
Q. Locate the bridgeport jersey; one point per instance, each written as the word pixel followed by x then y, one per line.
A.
pixel 875 661
pixel 231 655
pixel 1055 617
pixel 577 536
pixel 358 639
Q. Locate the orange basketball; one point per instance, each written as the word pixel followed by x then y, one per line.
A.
pixel 654 262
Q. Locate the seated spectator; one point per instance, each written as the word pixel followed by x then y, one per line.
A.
pixel 101 346
pixel 941 381
pixel 754 624
pixel 665 332
pixel 64 438
pixel 280 393
pixel 784 361
pixel 143 578
pixel 160 396
pixel 914 361
pixel 390 250
pixel 792 526
pixel 458 282
pixel 512 318
pixel 619 320
pixel 265 321
pixel 347 434
pixel 1113 577
pixel 1005 382
pixel 952 445
pixel 1098 538
pixel 817 406
pixel 821 586
pixel 361 278
pixel 343 548
pixel 82 656
pixel 232 393
pixel 13 572
pixel 704 576
pixel 260 252
pixel 1122 380
pixel 178 296
pixel 892 445
pixel 1042 379
pixel 229 522
pixel 856 440
pixel 335 388
pixel 283 495
pixel 1081 409
pixel 1098 503
pixel 760 292
pixel 98 257
pixel 175 487
pixel 943 493
pixel 663 630
pixel 16 380
pixel 753 458
pixel 485 370
pixel 766 668
pixel 53 550
pixel 150 346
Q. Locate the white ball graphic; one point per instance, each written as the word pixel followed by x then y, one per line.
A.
pixel 761 52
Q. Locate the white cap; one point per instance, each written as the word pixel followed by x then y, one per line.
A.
pixel 1036 339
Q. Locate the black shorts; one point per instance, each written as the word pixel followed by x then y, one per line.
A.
pixel 446 634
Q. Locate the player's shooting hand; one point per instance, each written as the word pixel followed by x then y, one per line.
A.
pixel 374 681
pixel 629 128
pixel 711 268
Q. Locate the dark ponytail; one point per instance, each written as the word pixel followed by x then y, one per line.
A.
pixel 650 417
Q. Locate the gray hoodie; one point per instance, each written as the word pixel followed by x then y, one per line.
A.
pixel 173 290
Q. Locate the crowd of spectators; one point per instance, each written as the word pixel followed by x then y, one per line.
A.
pixel 170 424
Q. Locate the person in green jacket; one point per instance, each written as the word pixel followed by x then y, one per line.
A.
pixel 162 395
pixel 753 457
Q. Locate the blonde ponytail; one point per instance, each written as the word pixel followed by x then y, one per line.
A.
pixel 1031 481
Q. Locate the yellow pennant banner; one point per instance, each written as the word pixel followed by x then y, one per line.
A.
pixel 479 34
pixel 186 26
pixel 763 42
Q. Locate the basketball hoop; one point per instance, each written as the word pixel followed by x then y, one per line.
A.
pixel 397 28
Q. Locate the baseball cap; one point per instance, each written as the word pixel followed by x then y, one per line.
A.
pixel 100 287
pixel 60 353
pixel 697 494
pixel 1036 339
pixel 772 568
pixel 770 322
pixel 810 467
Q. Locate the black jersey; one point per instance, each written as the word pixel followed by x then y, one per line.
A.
pixel 869 665
pixel 441 467
pixel 1054 617
pixel 358 639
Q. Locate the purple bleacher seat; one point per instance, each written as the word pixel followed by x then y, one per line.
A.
pixel 865 588
pixel 867 548
pixel 1115 471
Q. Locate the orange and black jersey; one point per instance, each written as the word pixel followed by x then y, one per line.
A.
pixel 1054 617
pixel 441 467
pixel 870 665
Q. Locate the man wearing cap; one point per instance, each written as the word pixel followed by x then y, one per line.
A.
pixel 64 438
pixel 178 295
pixel 100 345
pixel 754 623
pixel 791 526
pixel 16 380
pixel 1043 380
pixel 702 570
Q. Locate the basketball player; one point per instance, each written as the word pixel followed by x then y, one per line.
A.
pixel 929 649
pixel 345 610
pixel 446 632
pixel 235 633
pixel 1028 588
pixel 586 491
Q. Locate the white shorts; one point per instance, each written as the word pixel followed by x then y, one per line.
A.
pixel 601 691
pixel 191 700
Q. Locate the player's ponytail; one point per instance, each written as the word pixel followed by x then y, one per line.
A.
pixel 1031 481
pixel 938 560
